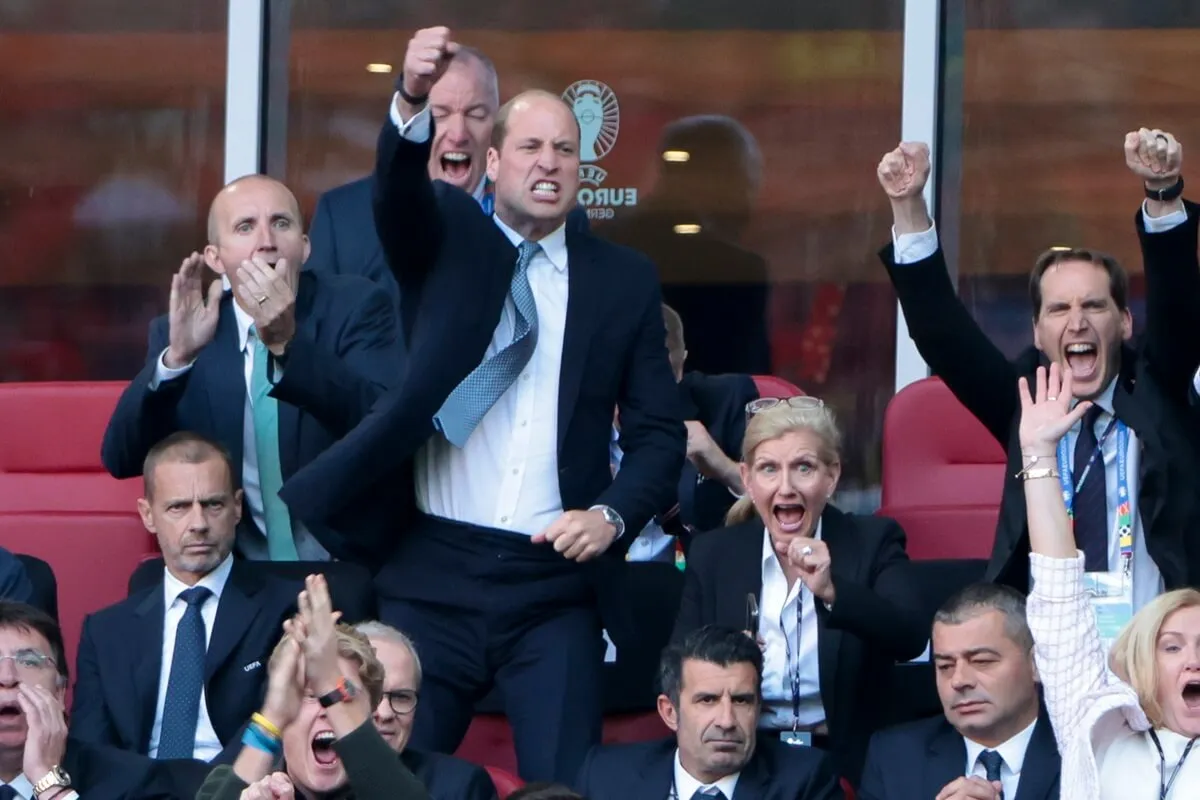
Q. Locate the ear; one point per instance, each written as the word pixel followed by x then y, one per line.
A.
pixel 1126 325
pixel 237 506
pixel 143 506
pixel 213 259
pixel 666 710
pixel 493 163
pixel 1037 339
pixel 307 251
pixel 744 470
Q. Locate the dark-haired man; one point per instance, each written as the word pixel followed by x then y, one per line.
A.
pixel 711 698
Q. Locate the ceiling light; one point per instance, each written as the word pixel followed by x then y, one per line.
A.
pixel 382 69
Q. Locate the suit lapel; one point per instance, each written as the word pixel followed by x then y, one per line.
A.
pixel 146 650
pixel 753 782
pixel 289 415
pixel 741 576
pixel 224 377
pixel 657 774
pixel 947 759
pixel 236 612
pixel 845 562
pixel 585 287
pixel 1040 772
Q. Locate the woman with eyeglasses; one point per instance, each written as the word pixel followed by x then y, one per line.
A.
pixel 1126 724
pixel 828 595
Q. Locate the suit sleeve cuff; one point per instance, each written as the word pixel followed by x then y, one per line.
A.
pixel 416 130
pixel 163 373
pixel 913 247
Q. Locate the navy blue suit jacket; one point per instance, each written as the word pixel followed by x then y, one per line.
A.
pixel 449 778
pixel 345 353
pixel 14 580
pixel 916 760
pixel 646 771
pixel 343 237
pixel 454 267
pixel 120 659
pixel 719 402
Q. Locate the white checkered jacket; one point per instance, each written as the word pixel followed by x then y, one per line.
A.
pixel 1088 705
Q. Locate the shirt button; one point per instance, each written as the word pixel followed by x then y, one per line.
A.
pixel 516 472
pixel 504 519
pixel 524 422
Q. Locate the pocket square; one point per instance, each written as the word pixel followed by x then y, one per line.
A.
pixel 253 665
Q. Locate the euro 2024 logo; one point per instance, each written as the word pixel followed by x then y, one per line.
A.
pixel 599 116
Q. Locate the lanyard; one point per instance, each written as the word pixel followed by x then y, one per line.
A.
pixel 794 667
pixel 1164 785
pixel 1070 488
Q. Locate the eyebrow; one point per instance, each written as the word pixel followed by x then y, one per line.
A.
pixel 968 653
pixel 206 499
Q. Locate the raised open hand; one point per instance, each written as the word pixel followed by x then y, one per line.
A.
pixel 192 314
pixel 1046 414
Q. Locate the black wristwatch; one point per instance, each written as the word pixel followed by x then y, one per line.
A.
pixel 408 98
pixel 1165 195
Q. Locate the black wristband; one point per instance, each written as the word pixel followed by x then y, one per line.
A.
pixel 1165 195
pixel 406 97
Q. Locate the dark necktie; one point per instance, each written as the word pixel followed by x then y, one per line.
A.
pixel 1090 508
pixel 992 761
pixel 8 793
pixel 181 711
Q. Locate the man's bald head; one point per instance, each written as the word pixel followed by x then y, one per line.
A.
pixel 525 99
pixel 221 201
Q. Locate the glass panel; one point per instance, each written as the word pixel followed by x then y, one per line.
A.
pixel 113 130
pixel 1050 89
pixel 808 100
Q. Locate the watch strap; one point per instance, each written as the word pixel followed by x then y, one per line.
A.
pixel 345 690
pixel 412 100
pixel 1165 195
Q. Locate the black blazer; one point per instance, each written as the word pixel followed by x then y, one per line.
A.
pixel 454 267
pixel 107 773
pixel 343 237
pixel 646 771
pixel 915 761
pixel 1150 395
pixel 875 621
pixel 449 778
pixel 718 401
pixel 120 658
pixel 345 353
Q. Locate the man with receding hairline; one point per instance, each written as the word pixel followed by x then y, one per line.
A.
pixel 523 336
pixel 271 362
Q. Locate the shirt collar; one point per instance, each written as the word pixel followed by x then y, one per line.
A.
pixel 244 321
pixel 1012 751
pixel 554 245
pixel 1104 400
pixel 686 785
pixel 22 785
pixel 480 190
pixel 213 581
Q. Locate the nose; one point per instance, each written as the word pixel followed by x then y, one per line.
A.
pixel 963 678
pixel 8 673
pixel 197 519
pixel 384 712
pixel 548 159
pixel 455 128
pixel 725 719
pixel 1076 319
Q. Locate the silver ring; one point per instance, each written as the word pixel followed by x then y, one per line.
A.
pixel 1051 399
pixel 807 551
pixel 261 300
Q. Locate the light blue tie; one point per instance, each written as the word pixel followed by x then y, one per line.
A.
pixel 480 390
pixel 281 546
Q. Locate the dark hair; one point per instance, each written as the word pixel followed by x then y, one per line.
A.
pixel 1118 278
pixel 980 598
pixel 184 447
pixel 24 617
pixel 544 790
pixel 713 644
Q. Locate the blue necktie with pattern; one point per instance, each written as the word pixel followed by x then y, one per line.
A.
pixel 992 761
pixel 480 390
pixel 181 710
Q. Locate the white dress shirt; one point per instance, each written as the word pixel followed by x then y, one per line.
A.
pixel 208 746
pixel 1011 752
pixel 24 787
pixel 1147 580
pixel 306 544
pixel 685 785
pixel 506 476
pixel 777 627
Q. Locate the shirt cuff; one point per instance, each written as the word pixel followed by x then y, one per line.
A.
pixel 416 130
pixel 913 247
pixel 1056 578
pixel 163 373
pixel 1164 223
pixel 1196 383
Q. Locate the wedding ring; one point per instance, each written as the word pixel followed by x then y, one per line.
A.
pixel 1051 399
pixel 261 300
pixel 807 551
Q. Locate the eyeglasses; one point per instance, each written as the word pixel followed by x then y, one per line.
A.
pixel 29 659
pixel 803 402
pixel 402 701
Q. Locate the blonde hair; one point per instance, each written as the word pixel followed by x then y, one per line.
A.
pixel 774 423
pixel 1134 656
pixel 355 648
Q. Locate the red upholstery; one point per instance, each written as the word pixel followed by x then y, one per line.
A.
pixel 58 503
pixel 771 386
pixel 505 782
pixel 847 789
pixel 489 739
pixel 943 473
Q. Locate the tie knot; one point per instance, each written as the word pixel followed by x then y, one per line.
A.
pixel 8 793
pixel 709 793
pixel 991 761
pixel 195 596
pixel 1093 415
pixel 526 251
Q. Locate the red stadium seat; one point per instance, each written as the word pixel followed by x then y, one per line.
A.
pixel 771 386
pixel 505 782
pixel 943 473
pixel 58 503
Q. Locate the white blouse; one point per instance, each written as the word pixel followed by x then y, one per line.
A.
pixel 1130 767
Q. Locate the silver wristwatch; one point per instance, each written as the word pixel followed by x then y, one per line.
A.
pixel 612 518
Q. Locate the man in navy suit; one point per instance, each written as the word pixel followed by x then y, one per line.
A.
pixel 14 580
pixel 175 670
pixel 275 369
pixel 994 741
pixel 492 452
pixel 711 699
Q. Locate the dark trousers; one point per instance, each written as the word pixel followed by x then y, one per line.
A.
pixel 489 607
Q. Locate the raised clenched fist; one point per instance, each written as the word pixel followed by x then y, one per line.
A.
pixel 428 56
pixel 1155 156
pixel 904 172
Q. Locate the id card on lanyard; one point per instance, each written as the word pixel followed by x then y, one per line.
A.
pixel 1111 593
